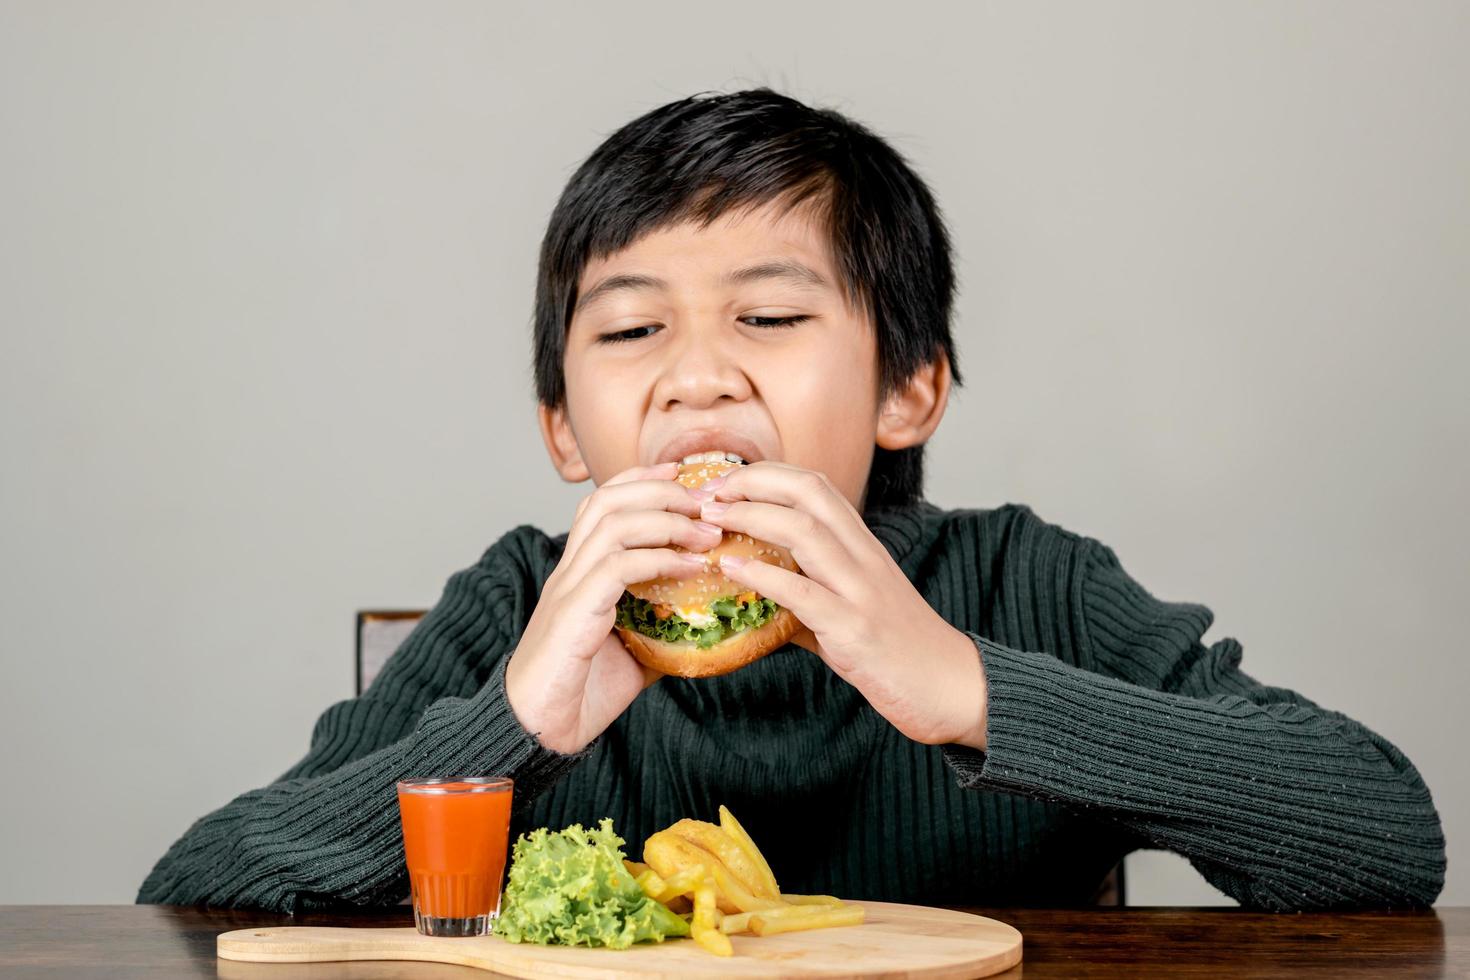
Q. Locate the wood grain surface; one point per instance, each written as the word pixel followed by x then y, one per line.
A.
pixel 894 942
pixel 126 942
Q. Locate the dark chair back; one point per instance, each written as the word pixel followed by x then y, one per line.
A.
pixel 379 634
pixel 1111 891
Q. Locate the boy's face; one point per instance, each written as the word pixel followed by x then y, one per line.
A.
pixel 733 336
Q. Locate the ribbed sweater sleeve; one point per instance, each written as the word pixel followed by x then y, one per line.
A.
pixel 1279 803
pixel 328 831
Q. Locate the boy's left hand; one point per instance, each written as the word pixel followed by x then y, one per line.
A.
pixel 862 615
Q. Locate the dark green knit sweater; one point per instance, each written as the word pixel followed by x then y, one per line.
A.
pixel 1111 728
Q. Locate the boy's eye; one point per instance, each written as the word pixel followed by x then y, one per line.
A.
pixel 638 333
pixel 774 321
pixel 630 334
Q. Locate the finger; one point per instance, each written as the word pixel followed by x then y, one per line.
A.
pixel 644 494
pixel 801 489
pixel 814 604
pixel 817 550
pixel 598 592
pixel 657 471
pixel 626 529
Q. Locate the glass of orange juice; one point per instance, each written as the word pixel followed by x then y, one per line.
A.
pixel 455 833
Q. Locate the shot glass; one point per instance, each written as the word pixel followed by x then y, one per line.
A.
pixel 455 833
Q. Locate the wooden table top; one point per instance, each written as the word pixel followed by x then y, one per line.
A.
pixel 124 941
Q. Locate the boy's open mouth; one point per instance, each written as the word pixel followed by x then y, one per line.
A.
pixel 731 614
pixel 698 442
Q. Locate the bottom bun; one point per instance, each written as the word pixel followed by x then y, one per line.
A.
pixel 687 660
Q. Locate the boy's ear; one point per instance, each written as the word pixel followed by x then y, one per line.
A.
pixel 909 416
pixel 561 444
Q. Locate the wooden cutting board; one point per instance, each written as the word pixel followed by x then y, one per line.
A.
pixel 894 941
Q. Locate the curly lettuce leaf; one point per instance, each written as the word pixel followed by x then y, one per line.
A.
pixel 571 888
pixel 732 615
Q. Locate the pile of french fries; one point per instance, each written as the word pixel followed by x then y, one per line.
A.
pixel 730 884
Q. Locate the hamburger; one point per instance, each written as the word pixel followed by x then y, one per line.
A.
pixel 706 624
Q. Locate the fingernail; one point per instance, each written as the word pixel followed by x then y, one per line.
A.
pixel 707 527
pixel 693 558
pixel 713 508
pixel 714 484
pixel 730 561
pixel 700 495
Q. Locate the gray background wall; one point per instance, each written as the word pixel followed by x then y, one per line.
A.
pixel 265 273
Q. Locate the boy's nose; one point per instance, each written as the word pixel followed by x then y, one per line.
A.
pixel 699 375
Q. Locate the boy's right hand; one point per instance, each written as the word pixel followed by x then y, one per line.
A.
pixel 570 676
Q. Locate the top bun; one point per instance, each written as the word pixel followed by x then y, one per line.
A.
pixel 697 591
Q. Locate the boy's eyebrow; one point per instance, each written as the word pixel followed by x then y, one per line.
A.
pixel 614 283
pixel 788 269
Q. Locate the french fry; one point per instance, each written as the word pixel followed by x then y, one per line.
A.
pixel 668 854
pixel 737 833
pixel 737 923
pixel 704 902
pixel 789 912
pixel 790 899
pixel 679 884
pixel 732 925
pixel 683 882
pixel 683 865
pixel 703 924
pixel 661 857
pixel 653 886
pixel 809 917
pixel 722 875
pixel 737 895
pixel 712 940
pixel 688 882
pixel 677 889
pixel 734 857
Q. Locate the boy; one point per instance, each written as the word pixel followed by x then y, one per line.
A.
pixel 983 709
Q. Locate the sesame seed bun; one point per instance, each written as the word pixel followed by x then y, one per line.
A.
pixel 698 590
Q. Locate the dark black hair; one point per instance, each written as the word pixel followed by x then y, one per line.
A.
pixel 700 157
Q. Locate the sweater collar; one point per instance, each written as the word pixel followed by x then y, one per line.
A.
pixel 908 531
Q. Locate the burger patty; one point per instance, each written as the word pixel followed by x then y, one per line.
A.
pixel 733 614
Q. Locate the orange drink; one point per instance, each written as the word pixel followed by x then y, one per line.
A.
pixel 455 833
